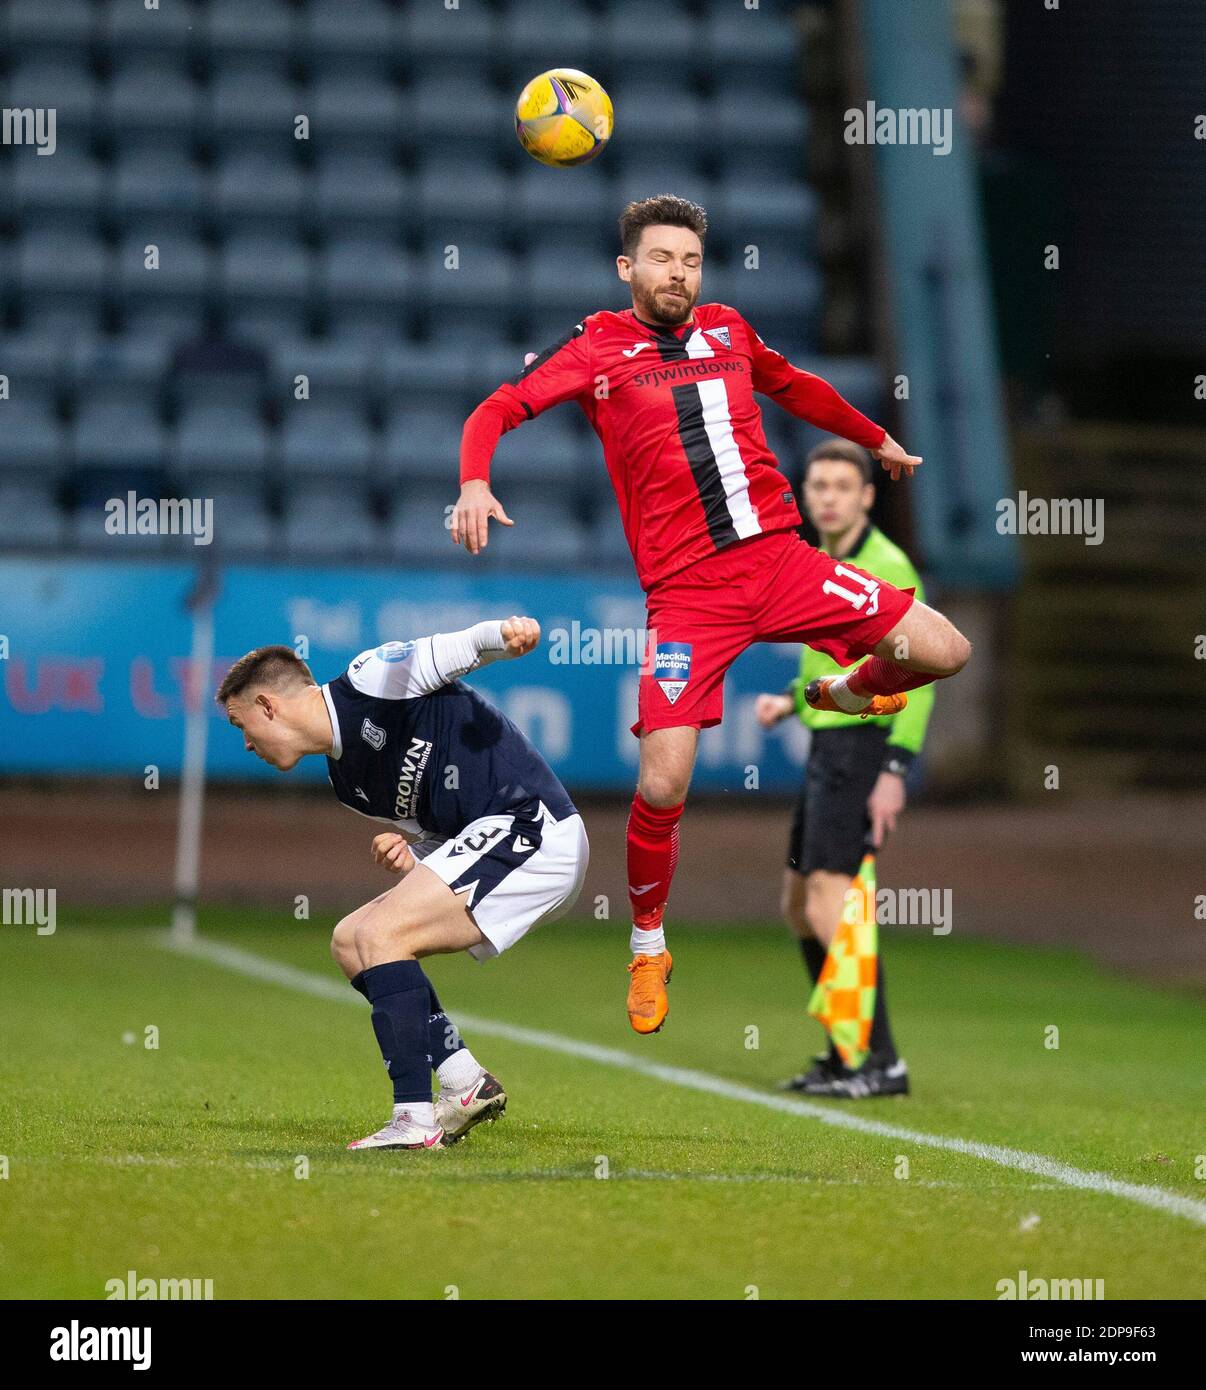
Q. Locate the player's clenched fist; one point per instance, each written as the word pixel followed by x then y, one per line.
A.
pixel 521 635
pixel 391 851
pixel 471 515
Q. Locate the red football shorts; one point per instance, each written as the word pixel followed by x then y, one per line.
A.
pixel 770 588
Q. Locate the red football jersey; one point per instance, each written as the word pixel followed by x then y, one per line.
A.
pixel 681 432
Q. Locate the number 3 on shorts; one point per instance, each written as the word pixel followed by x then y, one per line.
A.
pixel 870 587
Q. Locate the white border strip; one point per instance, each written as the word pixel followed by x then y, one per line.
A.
pixel 277 973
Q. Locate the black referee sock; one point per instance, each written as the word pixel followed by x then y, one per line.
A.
pixel 881 1031
pixel 401 996
pixel 443 1037
pixel 814 952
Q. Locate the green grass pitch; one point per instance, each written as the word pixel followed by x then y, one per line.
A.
pixel 181 1161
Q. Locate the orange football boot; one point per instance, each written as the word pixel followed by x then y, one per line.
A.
pixel 648 1004
pixel 817 696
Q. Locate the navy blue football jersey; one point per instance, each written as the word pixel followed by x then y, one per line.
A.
pixel 416 747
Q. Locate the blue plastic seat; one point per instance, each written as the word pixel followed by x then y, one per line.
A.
pixel 331 522
pixel 243 527
pixel 258 269
pixel 537 35
pixel 608 544
pixel 117 428
pixel 151 97
pixel 61 83
pixel 253 101
pixel 772 213
pixel 416 533
pixel 125 359
pixel 161 188
pixel 122 28
pixel 368 192
pixel 164 325
pixel 61 190
pixel 663 121
pixel 257 190
pixel 754 132
pixel 183 275
pixel 29 514
pixel 661 51
pixel 432 34
pixel 318 438
pixel 433 370
pixel 34 26
pixel 759 48
pixel 480 290
pixel 232 28
pixel 538 203
pixel 780 298
pixel 52 267
pixel 442 123
pixel 367 270
pixel 472 197
pixel 338 30
pixel 363 111
pixel 557 280
pixel 549 449
pixel 34 355
pixel 338 370
pixel 217 437
pixel 422 442
pixel 32 440
pixel 265 325
pixel 545 533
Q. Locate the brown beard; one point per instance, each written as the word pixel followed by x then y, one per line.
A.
pixel 647 305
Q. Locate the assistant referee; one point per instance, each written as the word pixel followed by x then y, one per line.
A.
pixel 853 786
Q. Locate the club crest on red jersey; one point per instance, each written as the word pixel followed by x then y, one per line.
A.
pixel 721 335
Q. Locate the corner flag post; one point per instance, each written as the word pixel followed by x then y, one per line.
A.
pixel 200 603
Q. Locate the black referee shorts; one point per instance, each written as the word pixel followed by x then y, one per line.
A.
pixel 830 826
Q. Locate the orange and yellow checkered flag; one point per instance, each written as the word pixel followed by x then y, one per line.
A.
pixel 844 999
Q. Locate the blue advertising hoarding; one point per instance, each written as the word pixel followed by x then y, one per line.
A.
pixel 97 659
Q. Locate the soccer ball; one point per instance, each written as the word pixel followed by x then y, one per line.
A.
pixel 563 117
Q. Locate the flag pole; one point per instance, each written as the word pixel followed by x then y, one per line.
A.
pixel 200 604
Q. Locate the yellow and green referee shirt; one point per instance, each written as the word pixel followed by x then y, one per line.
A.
pixel 876 554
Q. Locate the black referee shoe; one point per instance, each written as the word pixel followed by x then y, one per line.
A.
pixel 820 1079
pixel 879 1075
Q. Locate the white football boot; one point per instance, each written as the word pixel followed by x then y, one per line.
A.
pixel 402 1132
pixel 458 1111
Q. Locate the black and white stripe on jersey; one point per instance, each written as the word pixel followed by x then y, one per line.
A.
pixel 542 357
pixel 701 457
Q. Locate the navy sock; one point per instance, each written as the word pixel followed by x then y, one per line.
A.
pixel 399 994
pixel 443 1036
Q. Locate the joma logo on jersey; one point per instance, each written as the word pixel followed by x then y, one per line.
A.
pixel 672 668
pixel 372 735
pixel 413 765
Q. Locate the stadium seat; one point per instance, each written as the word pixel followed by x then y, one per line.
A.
pixel 473 198
pixel 181 279
pixel 263 326
pixel 480 291
pixel 434 370
pixel 546 533
pixel 422 442
pixel 321 438
pixel 432 35
pixel 125 359
pixel 248 104
pixel 117 428
pixel 664 122
pixel 243 526
pixel 62 190
pixel 32 26
pixel 219 437
pixel 537 205
pixel 361 192
pixel 662 54
pixel 336 31
pixel 559 280
pixel 255 191
pixel 31 438
pixel 33 356
pixel 232 28
pixel 416 532
pixel 339 371
pixel 61 83
pixel 151 98
pixel 768 136
pixel 536 35
pixel 452 129
pixel 774 214
pixel 122 28
pixel 751 48
pixel 29 514
pixel 781 298
pixel 163 189
pixel 547 450
pixel 164 325
pixel 366 270
pixel 259 270
pixel 358 112
pixel 331 523
pixel 62 269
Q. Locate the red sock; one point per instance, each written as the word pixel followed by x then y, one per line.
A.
pixel 652 853
pixel 880 676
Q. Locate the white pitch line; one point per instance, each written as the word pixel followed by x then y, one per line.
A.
pixel 276 972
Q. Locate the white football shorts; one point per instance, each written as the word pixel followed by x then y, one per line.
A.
pixel 517 872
